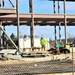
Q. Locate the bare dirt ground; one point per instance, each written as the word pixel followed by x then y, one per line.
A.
pixel 44 65
pixel 39 59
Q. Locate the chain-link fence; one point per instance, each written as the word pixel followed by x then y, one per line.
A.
pixel 50 64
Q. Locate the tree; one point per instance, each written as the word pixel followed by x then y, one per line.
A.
pixel 10 45
pixel 12 36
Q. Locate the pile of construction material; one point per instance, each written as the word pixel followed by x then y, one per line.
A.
pixel 9 54
pixel 35 54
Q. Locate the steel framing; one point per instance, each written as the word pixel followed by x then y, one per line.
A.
pixel 31 19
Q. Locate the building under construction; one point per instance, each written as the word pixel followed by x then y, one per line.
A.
pixel 12 16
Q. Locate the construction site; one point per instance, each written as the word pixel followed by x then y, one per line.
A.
pixel 26 56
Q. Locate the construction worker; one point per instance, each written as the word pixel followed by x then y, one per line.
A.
pixel 67 46
pixel 58 45
pixel 57 48
pixel 43 43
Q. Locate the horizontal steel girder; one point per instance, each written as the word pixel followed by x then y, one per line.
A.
pixel 39 19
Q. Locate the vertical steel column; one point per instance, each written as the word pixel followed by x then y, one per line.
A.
pixel 72 61
pixel 0 3
pixel 59 22
pixel 59 32
pixel 65 21
pixel 32 23
pixel 58 7
pixel 18 31
pixel 4 37
pixel 0 35
pixel 55 25
pixel 54 6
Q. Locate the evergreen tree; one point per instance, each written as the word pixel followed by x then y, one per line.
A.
pixel 12 36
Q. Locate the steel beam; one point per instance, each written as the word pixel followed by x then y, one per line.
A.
pixel 2 3
pixel 0 34
pixel 7 10
pixel 55 25
pixel 18 31
pixel 50 19
pixel 32 23
pixel 59 22
pixel 63 0
pixel 59 32
pixel 65 22
pixel 12 3
pixel 4 37
pixel 72 60
pixel 58 7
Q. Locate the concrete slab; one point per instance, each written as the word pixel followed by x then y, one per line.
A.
pixel 14 56
pixel 8 51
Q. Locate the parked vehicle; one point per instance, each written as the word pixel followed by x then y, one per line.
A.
pixel 72 45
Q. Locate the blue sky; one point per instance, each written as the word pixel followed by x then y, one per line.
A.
pixel 45 7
